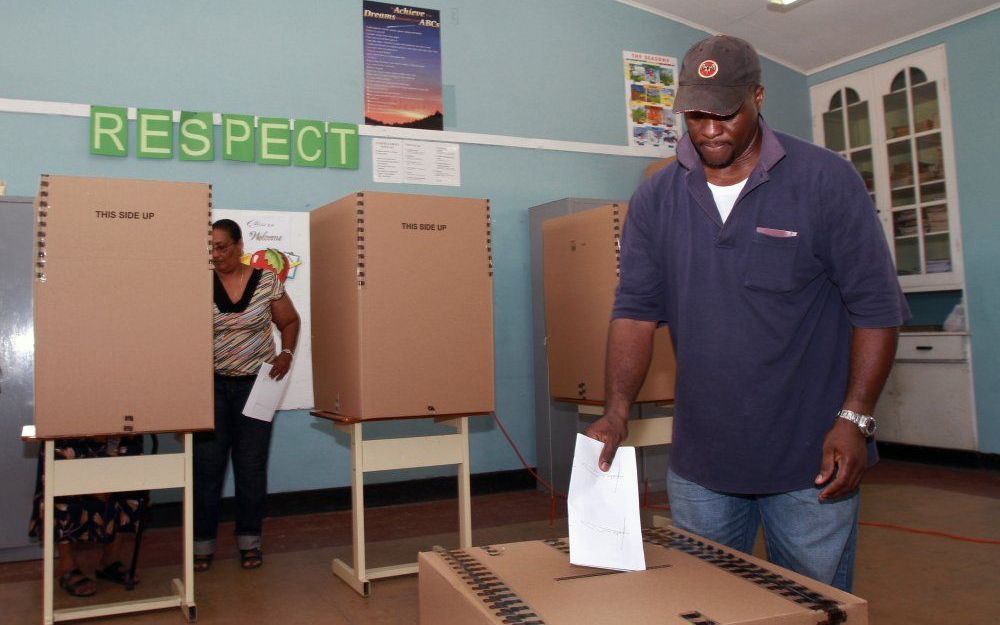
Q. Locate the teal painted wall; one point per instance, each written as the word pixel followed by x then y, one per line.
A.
pixel 932 308
pixel 971 50
pixel 538 68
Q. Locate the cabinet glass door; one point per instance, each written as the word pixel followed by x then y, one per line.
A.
pixel 893 123
pixel 847 130
pixel 918 193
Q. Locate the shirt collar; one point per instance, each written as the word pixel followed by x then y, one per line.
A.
pixel 771 150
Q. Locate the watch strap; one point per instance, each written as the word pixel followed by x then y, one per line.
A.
pixel 865 423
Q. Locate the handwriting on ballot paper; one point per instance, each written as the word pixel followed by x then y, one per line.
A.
pixel 124 214
pixel 415 226
pixel 612 476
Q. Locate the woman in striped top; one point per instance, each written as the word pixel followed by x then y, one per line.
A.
pixel 247 302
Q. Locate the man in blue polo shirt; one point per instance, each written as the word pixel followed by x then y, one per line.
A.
pixel 765 256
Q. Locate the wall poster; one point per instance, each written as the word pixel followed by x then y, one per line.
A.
pixel 402 66
pixel 650 81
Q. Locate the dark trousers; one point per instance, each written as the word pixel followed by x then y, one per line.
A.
pixel 248 440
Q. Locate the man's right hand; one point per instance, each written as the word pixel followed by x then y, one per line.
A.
pixel 611 431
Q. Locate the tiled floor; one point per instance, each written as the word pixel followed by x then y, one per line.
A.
pixel 907 576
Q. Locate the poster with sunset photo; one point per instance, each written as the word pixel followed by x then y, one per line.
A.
pixel 402 66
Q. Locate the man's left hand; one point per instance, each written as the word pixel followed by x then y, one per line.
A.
pixel 282 363
pixel 844 454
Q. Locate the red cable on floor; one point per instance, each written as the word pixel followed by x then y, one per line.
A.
pixel 524 463
pixel 912 530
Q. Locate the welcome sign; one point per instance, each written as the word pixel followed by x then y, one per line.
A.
pixel 245 138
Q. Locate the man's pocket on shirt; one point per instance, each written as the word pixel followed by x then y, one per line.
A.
pixel 771 260
pixel 776 233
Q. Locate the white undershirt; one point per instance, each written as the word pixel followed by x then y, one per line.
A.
pixel 725 197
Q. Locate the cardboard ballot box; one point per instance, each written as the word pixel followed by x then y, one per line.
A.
pixel 402 306
pixel 123 307
pixel 580 255
pixel 688 580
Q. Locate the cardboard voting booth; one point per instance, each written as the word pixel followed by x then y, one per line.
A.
pixel 581 255
pixel 402 306
pixel 123 307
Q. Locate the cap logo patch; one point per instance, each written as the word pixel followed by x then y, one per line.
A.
pixel 708 69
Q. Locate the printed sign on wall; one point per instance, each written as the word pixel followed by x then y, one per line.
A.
pixel 650 83
pixel 416 162
pixel 402 66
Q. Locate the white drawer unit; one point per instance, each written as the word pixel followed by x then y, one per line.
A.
pixel 928 398
pixel 932 346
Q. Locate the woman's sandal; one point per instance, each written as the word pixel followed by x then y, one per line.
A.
pixel 71 581
pixel 202 562
pixel 116 573
pixel 251 558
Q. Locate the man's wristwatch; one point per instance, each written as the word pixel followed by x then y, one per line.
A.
pixel 286 351
pixel 865 423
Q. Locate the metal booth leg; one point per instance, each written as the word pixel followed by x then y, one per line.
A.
pixel 356 576
pixel 186 592
pixel 49 533
pixel 464 488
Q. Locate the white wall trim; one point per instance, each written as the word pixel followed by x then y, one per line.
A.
pixel 904 39
pixel 670 16
pixel 41 107
pixel 506 141
pixel 711 31
pixel 68 109
pixel 815 70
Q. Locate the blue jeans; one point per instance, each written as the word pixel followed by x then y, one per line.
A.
pixel 248 440
pixel 815 539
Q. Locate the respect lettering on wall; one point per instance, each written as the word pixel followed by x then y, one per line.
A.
pixel 244 138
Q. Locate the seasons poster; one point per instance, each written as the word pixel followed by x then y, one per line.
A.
pixel 402 66
pixel 650 83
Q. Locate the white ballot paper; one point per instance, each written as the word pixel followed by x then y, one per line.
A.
pixel 265 395
pixel 604 529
